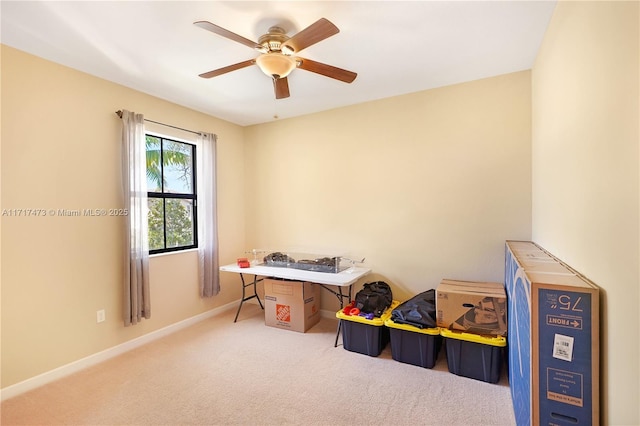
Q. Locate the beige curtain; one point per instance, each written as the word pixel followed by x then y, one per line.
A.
pixel 209 273
pixel 136 241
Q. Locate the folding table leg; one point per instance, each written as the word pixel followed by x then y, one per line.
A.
pixel 244 297
pixel 341 298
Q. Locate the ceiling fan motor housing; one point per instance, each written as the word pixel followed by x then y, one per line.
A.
pixel 272 41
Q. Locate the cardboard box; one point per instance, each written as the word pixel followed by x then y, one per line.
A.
pixel 291 305
pixel 553 352
pixel 474 307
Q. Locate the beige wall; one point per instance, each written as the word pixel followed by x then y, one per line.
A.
pixel 585 174
pixel 60 150
pixel 425 186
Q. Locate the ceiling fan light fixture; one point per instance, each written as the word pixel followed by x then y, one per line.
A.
pixel 275 64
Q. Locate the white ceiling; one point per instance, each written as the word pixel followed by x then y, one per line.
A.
pixel 395 47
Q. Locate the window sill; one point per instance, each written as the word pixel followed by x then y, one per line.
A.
pixel 173 253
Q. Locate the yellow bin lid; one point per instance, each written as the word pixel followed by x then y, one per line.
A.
pixel 431 331
pixel 375 321
pixel 475 338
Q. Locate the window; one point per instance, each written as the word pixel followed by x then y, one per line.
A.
pixel 171 194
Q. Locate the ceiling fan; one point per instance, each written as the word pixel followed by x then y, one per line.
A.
pixel 278 54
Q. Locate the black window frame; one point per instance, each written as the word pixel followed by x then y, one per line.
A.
pixel 193 196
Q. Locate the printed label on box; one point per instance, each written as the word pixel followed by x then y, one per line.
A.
pixel 563 347
pixel 283 312
pixel 565 386
pixel 565 321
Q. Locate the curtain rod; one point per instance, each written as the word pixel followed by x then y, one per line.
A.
pixel 119 114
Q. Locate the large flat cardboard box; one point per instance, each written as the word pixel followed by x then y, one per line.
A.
pixel 553 339
pixel 474 307
pixel 291 305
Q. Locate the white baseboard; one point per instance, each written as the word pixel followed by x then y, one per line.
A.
pixel 327 314
pixel 81 364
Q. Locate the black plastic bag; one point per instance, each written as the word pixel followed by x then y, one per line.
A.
pixel 419 311
pixel 375 298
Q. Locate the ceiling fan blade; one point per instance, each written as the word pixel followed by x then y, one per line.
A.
pixel 227 34
pixel 281 87
pixel 227 69
pixel 314 33
pixel 327 70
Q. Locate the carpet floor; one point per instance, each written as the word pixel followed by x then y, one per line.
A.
pixel 217 372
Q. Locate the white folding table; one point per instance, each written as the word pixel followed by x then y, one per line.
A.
pixel 339 280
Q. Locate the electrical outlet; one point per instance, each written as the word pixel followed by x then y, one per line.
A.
pixel 100 315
